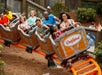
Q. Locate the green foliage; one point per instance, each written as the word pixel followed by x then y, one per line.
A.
pixel 2 72
pixel 1 47
pixel 2 63
pixel 58 8
pixel 2 7
pixel 99 46
pixel 8 8
pixel 86 14
pixel 98 53
pixel 99 8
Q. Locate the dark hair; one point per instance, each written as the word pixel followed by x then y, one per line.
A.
pixel 5 11
pixel 37 20
pixel 92 23
pixel 60 17
pixel 22 17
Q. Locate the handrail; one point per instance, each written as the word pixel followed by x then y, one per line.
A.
pixel 37 5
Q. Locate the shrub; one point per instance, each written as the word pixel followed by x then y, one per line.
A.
pixel 1 47
pixel 98 53
pixel 2 64
pixel 86 14
pixel 59 7
pixel 99 9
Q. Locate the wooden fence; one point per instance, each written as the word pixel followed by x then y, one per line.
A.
pixel 34 6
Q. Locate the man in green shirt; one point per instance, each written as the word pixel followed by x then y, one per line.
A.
pixel 41 29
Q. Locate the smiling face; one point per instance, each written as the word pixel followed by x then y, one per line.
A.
pixel 64 17
pixel 46 14
pixel 38 23
pixel 32 13
pixel 55 28
pixel 22 20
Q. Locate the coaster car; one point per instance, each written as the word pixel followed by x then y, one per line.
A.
pixel 28 40
pixel 10 34
pixel 45 43
pixel 71 43
pixel 71 48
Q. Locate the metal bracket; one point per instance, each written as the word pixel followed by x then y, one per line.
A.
pixel 7 42
pixel 51 63
pixel 29 49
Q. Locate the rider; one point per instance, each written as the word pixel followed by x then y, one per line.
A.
pixel 41 29
pixel 9 14
pixel 66 21
pixel 49 20
pixel 24 24
pixel 32 18
pixel 4 19
pixel 57 32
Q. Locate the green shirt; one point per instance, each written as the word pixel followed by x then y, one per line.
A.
pixel 41 30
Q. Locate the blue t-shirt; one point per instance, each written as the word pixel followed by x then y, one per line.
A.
pixel 31 20
pixel 50 20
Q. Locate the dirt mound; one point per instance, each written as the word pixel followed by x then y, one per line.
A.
pixel 19 62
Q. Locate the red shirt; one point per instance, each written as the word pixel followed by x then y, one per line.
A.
pixel 4 20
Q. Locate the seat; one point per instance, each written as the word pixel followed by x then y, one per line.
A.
pixel 45 43
pixel 28 40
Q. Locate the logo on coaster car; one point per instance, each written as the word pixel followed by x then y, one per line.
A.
pixel 72 40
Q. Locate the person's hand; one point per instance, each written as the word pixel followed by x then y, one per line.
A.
pixel 41 35
pixel 48 25
pixel 28 27
pixel 7 28
pixel 23 28
pixel 77 24
pixel 63 30
pixel 5 24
